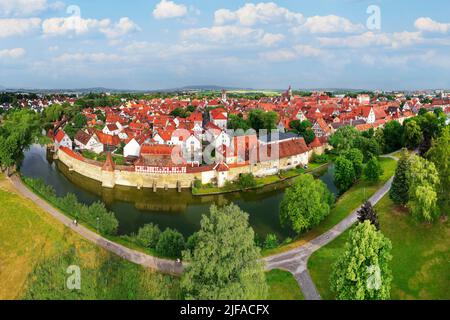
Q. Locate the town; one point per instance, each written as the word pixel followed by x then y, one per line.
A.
pixel 146 135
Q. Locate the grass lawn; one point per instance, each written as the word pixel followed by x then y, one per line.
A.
pixel 283 286
pixel 421 256
pixel 346 204
pixel 36 251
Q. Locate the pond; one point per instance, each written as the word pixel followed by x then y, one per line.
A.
pixel 182 211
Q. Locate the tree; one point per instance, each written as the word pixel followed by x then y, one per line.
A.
pixel 363 272
pixel 305 204
pixel 259 120
pixel 237 122
pixel 373 170
pixel 271 241
pixel 170 243
pixel 344 174
pixel 412 135
pixel 367 212
pixel 439 154
pixel 423 182
pixel 303 128
pixel 356 157
pixel 148 235
pixel 246 180
pixel 393 133
pixel 79 121
pixel 368 146
pixel 344 138
pixel 225 263
pixel 399 192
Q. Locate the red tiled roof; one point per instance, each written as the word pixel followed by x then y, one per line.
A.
pixel 107 139
pixel 156 149
pixel 72 153
pixel 60 135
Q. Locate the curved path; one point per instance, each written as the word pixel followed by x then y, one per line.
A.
pixel 162 265
pixel 296 260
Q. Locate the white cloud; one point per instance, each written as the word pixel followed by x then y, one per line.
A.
pixel 76 25
pixel 429 25
pixel 72 25
pixel 123 27
pixel 298 51
pixel 168 9
pixel 328 24
pixel 223 34
pixel 262 13
pixel 25 8
pixel 395 40
pixel 270 39
pixel 88 57
pixel 12 53
pixel 18 27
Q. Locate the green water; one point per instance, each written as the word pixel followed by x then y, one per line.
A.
pixel 182 211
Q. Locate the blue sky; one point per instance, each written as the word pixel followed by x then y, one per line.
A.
pixel 154 44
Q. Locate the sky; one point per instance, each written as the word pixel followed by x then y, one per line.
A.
pixel 160 44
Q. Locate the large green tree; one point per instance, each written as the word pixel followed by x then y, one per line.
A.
pixel 439 154
pixel 356 157
pixel 412 135
pixel 344 174
pixel 305 204
pixel 393 133
pixel 344 138
pixel 363 271
pixel 225 263
pixel 399 192
pixel 423 183
pixel 373 170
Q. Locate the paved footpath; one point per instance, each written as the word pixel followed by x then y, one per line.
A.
pixel 296 260
pixel 162 265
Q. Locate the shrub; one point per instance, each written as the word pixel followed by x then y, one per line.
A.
pixel 197 183
pixel 323 158
pixel 246 180
pixel 148 235
pixel 271 241
pixel 171 243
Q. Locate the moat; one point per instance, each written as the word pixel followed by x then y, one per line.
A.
pixel 180 210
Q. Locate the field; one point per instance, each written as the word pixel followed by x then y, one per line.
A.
pixel 346 204
pixel 421 256
pixel 37 250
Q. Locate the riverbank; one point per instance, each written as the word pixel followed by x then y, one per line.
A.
pixel 420 254
pixel 262 182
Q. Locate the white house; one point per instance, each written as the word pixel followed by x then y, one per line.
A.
pixel 62 140
pixel 85 141
pixel 111 129
pixel 132 149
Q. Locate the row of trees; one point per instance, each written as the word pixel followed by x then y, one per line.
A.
pixel 422 184
pixel 95 215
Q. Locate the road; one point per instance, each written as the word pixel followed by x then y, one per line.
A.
pixel 162 265
pixel 296 260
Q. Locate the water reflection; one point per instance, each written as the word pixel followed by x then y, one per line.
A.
pixel 181 211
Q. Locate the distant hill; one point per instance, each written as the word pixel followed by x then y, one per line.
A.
pixel 211 88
